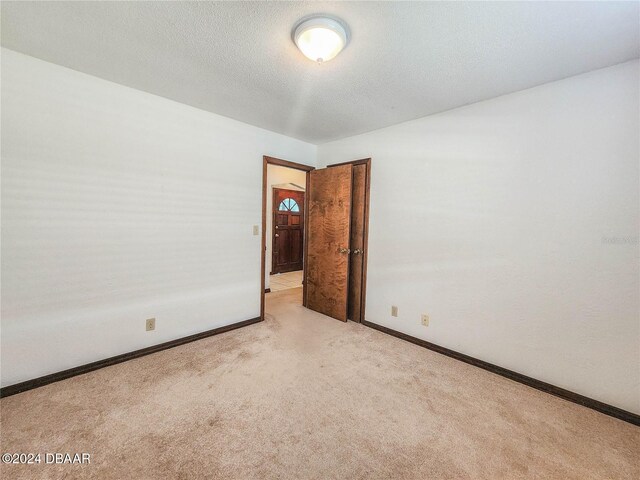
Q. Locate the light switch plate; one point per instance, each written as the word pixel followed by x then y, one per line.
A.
pixel 256 230
pixel 394 311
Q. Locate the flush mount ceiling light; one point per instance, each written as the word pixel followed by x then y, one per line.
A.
pixel 320 38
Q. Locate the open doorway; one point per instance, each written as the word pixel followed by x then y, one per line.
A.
pixel 284 186
pixel 326 218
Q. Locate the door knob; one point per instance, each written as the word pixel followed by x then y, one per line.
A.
pixel 357 251
pixel 277 235
pixel 345 250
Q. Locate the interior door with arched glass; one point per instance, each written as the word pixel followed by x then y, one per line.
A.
pixel 288 230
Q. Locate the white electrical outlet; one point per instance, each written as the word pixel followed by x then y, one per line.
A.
pixel 425 320
pixel 150 324
pixel 394 311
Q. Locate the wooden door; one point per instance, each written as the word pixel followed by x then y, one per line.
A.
pixel 288 230
pixel 356 270
pixel 328 236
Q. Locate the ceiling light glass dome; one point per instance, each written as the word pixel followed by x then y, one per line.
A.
pixel 320 38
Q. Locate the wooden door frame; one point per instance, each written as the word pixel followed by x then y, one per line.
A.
pixel 365 242
pixel 274 213
pixel 267 160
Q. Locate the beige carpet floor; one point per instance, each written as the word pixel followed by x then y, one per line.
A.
pixel 302 396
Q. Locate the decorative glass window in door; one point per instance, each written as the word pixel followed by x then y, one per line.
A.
pixel 288 205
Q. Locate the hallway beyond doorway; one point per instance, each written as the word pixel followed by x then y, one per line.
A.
pixel 284 281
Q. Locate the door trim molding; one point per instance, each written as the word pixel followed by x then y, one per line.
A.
pixel 267 160
pixel 365 242
pixel 591 403
pixel 106 362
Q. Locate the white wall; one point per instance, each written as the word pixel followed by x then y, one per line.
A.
pixel 277 175
pixel 514 224
pixel 118 205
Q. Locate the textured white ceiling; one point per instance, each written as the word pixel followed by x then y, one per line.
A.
pixel 405 59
